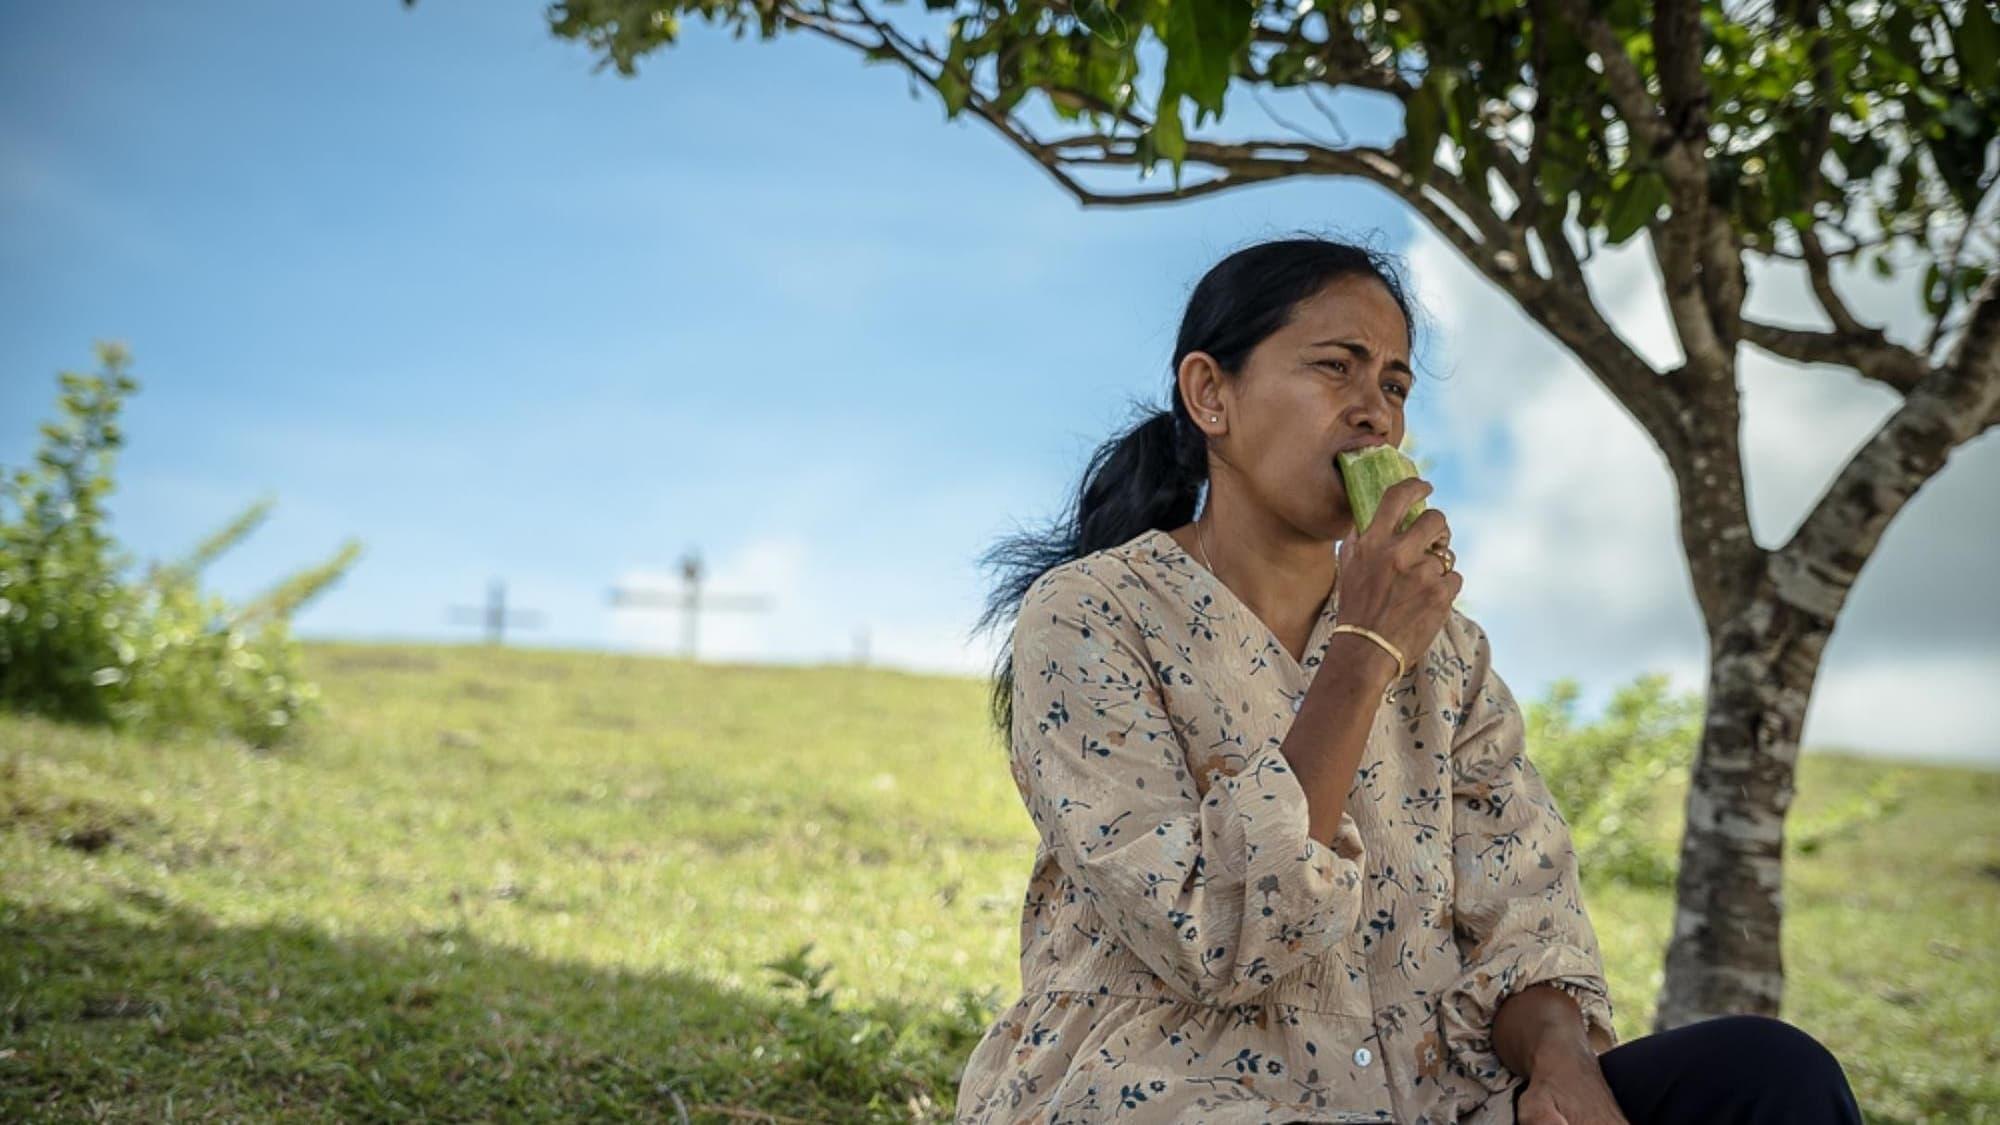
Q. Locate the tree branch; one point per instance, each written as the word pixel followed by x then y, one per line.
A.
pixel 1462 216
pixel 1326 111
pixel 1851 343
pixel 1832 256
pixel 1818 268
pixel 1345 62
pixel 1949 266
pixel 1271 111
pixel 1954 403
pixel 1974 366
pixel 1565 310
pixel 1867 351
pixel 1700 263
pixel 1677 52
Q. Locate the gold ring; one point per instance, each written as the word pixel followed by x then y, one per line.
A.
pixel 1446 556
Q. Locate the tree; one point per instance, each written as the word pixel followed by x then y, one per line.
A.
pixel 1536 131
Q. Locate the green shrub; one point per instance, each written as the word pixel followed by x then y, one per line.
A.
pixel 1607 777
pixel 83 640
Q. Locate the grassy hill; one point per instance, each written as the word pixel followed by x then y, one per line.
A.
pixel 509 883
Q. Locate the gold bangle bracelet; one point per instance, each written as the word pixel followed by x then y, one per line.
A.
pixel 1372 635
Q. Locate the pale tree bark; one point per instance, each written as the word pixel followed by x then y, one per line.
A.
pixel 1768 613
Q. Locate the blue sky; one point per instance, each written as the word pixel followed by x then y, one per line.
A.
pixel 427 280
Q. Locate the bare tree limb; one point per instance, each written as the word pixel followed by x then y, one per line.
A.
pixel 1954 403
pixel 1685 239
pixel 1272 112
pixel 1677 52
pixel 1975 359
pixel 1818 269
pixel 1868 351
pixel 1832 255
pixel 1326 111
pixel 1721 251
pixel 1851 343
pixel 1949 266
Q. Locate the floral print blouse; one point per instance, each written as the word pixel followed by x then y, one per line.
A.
pixel 1188 952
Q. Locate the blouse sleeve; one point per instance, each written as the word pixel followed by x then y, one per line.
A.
pixel 1221 894
pixel 1519 916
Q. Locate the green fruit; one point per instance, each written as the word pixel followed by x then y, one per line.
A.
pixel 1368 472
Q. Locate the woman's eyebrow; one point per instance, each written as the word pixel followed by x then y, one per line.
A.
pixel 1362 350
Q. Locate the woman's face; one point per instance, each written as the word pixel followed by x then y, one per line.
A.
pixel 1337 374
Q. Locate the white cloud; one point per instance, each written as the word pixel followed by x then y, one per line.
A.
pixel 1565 525
pixel 1801 425
pixel 1913 706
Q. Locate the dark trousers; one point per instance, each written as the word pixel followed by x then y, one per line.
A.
pixel 1734 1070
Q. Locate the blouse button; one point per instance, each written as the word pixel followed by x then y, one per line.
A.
pixel 1296 704
pixel 1363 1056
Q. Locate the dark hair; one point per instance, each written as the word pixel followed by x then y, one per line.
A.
pixel 1151 475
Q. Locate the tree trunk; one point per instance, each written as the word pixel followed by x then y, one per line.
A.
pixel 1725 953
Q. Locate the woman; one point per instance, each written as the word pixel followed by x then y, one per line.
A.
pixel 1294 865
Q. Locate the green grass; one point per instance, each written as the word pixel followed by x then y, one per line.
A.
pixel 535 884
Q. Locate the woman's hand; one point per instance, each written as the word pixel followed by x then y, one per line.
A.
pixel 1392 583
pixel 1569 1090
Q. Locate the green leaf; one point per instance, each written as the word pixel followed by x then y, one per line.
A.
pixel 1976 40
pixel 1861 156
pixel 1423 121
pixel 1908 174
pixel 1781 181
pixel 1633 204
pixel 1169 135
pixel 1464 122
pixel 954 89
pixel 1203 38
pixel 954 82
pixel 1935 295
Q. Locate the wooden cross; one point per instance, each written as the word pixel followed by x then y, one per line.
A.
pixel 495 616
pixel 690 600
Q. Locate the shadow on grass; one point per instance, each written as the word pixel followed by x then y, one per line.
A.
pixel 143 1009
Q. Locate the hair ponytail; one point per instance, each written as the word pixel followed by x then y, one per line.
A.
pixel 1148 477
pixel 1151 476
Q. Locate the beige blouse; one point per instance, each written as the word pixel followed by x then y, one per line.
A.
pixel 1188 952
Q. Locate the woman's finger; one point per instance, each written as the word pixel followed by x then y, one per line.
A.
pixel 1417 547
pixel 1397 500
